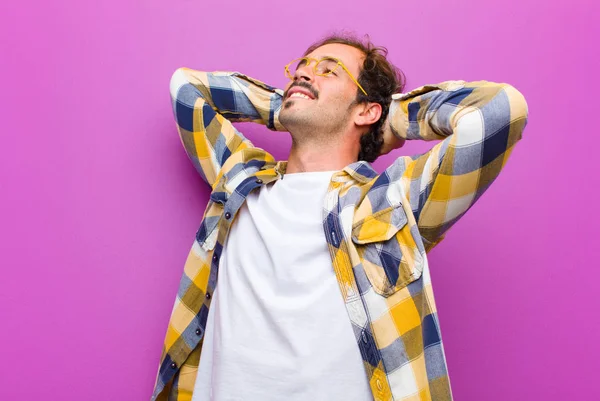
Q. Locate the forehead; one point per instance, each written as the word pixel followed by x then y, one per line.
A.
pixel 350 56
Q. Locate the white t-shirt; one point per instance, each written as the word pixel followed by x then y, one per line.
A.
pixel 278 327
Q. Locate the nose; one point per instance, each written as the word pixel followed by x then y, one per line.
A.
pixel 305 72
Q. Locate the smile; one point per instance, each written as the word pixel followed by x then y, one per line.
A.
pixel 299 95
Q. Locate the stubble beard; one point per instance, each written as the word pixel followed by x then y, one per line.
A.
pixel 312 126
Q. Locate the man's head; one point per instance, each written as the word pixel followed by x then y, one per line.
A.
pixel 337 108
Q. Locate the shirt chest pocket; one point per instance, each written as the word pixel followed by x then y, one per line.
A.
pixel 387 249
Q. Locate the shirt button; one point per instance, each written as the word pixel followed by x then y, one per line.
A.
pixel 207 295
pixel 335 241
pixel 173 365
pixel 198 331
pixel 215 257
pixel 227 215
pixel 259 181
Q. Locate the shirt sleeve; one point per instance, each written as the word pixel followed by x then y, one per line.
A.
pixel 478 124
pixel 206 104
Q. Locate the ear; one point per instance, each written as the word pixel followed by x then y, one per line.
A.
pixel 368 113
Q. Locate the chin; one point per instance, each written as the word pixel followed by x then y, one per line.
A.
pixel 291 115
pixel 291 108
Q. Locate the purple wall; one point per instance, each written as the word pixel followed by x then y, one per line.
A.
pixel 99 204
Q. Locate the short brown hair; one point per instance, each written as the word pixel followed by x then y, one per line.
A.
pixel 380 79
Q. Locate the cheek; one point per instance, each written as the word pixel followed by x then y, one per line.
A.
pixel 338 97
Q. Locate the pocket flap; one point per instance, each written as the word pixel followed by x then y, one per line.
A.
pixel 379 226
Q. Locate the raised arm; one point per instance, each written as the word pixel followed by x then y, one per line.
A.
pixel 478 123
pixel 205 104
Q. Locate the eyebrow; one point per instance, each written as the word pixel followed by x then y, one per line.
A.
pixel 303 62
pixel 330 57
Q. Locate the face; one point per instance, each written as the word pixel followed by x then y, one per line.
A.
pixel 322 104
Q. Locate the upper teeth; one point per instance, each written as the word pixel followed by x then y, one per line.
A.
pixel 298 94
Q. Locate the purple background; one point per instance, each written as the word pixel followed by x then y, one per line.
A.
pixel 99 204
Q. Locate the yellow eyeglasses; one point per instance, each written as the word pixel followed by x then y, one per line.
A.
pixel 323 67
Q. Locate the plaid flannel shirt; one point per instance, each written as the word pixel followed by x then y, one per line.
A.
pixel 378 226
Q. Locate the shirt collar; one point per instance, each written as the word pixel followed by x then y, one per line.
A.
pixel 360 171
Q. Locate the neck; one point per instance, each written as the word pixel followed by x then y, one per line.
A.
pixel 321 157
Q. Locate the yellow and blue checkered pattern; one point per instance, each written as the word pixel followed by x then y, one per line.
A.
pixel 378 226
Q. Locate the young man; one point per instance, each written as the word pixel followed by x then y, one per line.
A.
pixel 324 288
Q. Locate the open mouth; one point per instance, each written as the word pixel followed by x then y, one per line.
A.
pixel 298 95
pixel 300 92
